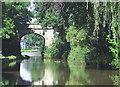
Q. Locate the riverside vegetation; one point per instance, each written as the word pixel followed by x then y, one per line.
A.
pixel 88 32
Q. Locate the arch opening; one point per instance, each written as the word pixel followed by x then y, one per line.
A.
pixel 32 42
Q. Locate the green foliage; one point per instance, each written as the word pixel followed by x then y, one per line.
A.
pixel 57 50
pixel 15 15
pixel 115 50
pixel 113 36
pixel 52 52
pixel 84 26
pixel 49 17
pixel 50 20
pixel 76 37
pixel 11 57
pixel 116 79
pixel 12 64
pixel 97 19
pixel 98 60
pixel 106 20
pixel 78 54
pixel 8 28
pixel 6 83
pixel 34 41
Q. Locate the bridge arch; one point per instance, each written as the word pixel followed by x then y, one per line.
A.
pixel 39 37
pixel 32 33
pixel 36 28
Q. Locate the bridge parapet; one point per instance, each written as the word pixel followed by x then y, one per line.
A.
pixel 37 26
pixel 48 34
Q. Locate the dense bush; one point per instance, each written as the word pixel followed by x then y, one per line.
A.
pixel 77 39
pixel 78 54
pixel 52 52
pixel 58 50
pixel 97 60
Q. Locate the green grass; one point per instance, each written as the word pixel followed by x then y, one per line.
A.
pixel 12 56
pixel 28 50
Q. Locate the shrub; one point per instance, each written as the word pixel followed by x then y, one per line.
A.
pixel 78 54
pixel 52 52
pixel 58 50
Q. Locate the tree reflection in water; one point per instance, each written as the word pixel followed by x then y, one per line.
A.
pixel 54 74
pixel 35 71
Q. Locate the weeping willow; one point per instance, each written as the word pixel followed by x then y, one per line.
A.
pixel 107 13
pixel 97 18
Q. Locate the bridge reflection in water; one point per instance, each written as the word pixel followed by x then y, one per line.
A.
pixel 44 73
pixel 34 71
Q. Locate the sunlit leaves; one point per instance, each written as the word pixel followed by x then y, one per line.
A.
pixel 8 28
pixel 14 16
pixel 50 19
pixel 75 36
pixel 113 37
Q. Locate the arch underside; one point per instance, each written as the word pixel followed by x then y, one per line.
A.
pixel 40 36
pixel 47 35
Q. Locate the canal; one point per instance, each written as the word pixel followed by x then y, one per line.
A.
pixel 35 71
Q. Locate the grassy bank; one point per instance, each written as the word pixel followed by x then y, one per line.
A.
pixel 12 57
pixel 29 50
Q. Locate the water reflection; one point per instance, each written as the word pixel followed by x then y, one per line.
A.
pixel 81 76
pixel 100 77
pixel 37 72
pixel 55 74
pixel 44 73
pixel 25 74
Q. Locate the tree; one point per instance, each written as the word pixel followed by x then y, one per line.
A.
pixel 15 16
pixel 49 14
pixel 84 22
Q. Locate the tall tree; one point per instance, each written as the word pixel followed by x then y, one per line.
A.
pixel 15 16
pixel 85 25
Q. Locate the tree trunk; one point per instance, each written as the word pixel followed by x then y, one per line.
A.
pixel 11 46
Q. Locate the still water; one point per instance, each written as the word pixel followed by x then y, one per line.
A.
pixel 34 71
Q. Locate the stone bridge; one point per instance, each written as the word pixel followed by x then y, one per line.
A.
pixel 12 46
pixel 36 28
